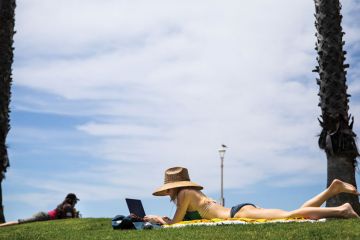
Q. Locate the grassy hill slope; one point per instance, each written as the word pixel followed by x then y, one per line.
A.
pixel 100 228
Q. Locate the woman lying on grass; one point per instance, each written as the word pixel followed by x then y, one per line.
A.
pixel 193 204
pixel 66 209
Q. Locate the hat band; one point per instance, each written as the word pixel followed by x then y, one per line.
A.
pixel 170 179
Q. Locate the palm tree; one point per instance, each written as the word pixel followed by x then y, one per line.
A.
pixel 337 137
pixel 7 12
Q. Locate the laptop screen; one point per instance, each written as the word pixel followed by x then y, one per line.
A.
pixel 135 206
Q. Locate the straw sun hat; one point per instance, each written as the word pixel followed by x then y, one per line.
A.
pixel 176 177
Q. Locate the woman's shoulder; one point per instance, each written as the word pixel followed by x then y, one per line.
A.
pixel 189 192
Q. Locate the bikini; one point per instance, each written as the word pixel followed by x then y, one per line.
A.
pixel 237 208
pixel 195 215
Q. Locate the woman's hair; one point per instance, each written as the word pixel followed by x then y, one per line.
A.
pixel 173 197
pixel 176 192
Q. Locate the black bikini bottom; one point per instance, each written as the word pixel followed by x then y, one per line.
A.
pixel 237 208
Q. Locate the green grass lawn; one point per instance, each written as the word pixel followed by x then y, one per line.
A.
pixel 100 228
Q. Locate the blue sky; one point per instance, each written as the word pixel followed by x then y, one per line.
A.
pixel 108 94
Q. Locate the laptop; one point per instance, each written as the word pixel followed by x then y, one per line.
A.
pixel 135 206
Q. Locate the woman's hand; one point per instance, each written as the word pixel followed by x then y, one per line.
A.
pixel 154 219
pixel 166 219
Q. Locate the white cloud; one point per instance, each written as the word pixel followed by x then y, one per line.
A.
pixel 164 83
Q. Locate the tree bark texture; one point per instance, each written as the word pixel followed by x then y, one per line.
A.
pixel 7 12
pixel 337 137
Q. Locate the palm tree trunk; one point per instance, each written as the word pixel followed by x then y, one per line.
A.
pixel 7 12
pixel 2 216
pixel 337 137
pixel 341 168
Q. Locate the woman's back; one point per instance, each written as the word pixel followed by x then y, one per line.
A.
pixel 206 207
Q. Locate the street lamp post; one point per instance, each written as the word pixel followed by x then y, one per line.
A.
pixel 222 154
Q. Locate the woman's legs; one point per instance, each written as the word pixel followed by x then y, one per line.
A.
pixel 335 188
pixel 9 224
pixel 40 216
pixel 310 209
pixel 343 211
pixel 257 213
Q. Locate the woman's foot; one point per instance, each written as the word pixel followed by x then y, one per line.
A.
pixel 337 186
pixel 348 212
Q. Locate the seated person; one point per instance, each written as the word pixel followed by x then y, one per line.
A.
pixel 193 204
pixel 66 209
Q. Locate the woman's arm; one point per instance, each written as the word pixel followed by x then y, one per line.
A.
pixel 182 203
pixel 156 219
pixel 68 211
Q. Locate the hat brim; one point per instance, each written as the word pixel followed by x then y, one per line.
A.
pixel 162 191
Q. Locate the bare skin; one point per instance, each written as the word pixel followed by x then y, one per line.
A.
pixel 194 200
pixel 335 188
pixel 188 200
pixel 9 223
pixel 311 208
